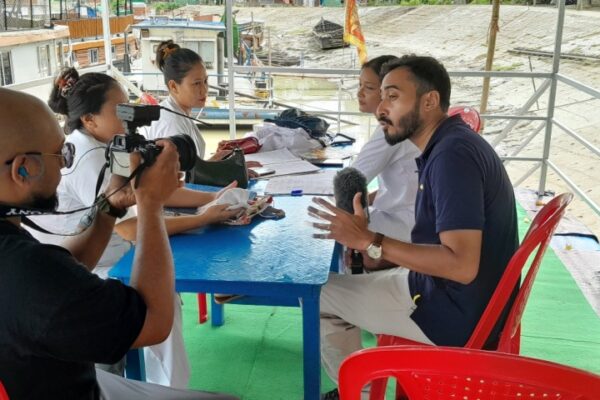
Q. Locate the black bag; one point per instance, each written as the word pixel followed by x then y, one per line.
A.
pixel 294 118
pixel 220 173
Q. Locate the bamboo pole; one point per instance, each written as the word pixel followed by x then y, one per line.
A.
pixel 490 57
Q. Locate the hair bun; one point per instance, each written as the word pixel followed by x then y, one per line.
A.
pixel 164 51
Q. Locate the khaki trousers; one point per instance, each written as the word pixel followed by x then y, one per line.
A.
pixel 377 302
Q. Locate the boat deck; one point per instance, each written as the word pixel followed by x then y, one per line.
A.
pixel 257 354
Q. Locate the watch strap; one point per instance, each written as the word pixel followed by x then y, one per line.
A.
pixel 107 208
pixel 378 239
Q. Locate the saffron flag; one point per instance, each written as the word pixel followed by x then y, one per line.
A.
pixel 352 32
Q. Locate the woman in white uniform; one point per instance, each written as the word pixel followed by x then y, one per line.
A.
pixel 187 82
pixel 392 205
pixel 89 104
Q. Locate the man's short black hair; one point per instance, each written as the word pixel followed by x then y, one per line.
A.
pixel 428 73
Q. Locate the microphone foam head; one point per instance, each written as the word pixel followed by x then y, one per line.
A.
pixel 346 183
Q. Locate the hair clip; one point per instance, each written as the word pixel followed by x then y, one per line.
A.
pixel 65 85
pixel 168 51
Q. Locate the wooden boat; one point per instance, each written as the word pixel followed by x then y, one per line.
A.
pixel 329 35
pixel 279 58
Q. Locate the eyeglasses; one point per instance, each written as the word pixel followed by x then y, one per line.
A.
pixel 67 154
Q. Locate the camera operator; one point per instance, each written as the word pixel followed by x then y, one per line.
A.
pixel 89 103
pixel 58 318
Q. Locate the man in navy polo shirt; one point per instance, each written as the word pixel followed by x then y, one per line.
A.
pixel 464 236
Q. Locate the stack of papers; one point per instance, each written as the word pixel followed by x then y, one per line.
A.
pixel 283 162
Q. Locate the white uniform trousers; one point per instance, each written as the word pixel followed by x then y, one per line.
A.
pixel 113 387
pixel 167 363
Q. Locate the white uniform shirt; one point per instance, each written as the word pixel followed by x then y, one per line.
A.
pixel 170 124
pixel 76 190
pixel 393 211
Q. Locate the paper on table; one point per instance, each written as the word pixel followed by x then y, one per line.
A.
pixel 283 162
pixel 291 167
pixel 320 183
pixel 271 157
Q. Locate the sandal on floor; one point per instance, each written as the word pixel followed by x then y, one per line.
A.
pixel 225 298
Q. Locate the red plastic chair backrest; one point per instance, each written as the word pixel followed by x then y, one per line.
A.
pixel 468 114
pixel 3 394
pixel 147 98
pixel 441 373
pixel 538 236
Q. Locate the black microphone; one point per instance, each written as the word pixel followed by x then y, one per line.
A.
pixel 346 183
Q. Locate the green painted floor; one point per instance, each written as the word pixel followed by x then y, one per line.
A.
pixel 257 354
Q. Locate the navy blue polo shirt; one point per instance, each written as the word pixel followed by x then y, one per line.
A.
pixel 462 185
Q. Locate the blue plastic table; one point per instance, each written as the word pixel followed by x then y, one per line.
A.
pixel 274 261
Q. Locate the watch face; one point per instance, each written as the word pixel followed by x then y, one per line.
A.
pixel 374 251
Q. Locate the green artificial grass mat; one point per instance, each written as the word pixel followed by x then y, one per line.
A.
pixel 257 353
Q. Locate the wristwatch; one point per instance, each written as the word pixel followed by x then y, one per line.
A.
pixel 107 208
pixel 374 249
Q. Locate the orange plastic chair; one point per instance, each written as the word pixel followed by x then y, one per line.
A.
pixel 3 394
pixel 469 115
pixel 445 373
pixel 538 236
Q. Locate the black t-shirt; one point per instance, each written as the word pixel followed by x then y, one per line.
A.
pixel 462 185
pixel 57 320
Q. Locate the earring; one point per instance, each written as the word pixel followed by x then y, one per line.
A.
pixel 23 172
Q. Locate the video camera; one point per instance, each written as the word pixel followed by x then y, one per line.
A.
pixel 134 116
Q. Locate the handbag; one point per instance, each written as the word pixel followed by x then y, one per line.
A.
pixel 248 145
pixel 220 173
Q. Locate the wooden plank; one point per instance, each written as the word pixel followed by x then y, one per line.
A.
pixel 92 27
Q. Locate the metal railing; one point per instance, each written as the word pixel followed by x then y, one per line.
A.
pixel 22 15
pixel 30 14
pixel 50 79
pixel 524 113
pixel 548 121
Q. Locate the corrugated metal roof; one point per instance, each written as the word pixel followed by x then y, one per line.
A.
pixel 180 23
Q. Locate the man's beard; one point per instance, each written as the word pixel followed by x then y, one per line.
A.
pixel 405 129
pixel 49 203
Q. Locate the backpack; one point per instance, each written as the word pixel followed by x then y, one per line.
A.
pixel 294 118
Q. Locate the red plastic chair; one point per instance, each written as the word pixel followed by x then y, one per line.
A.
pixel 469 115
pixel 3 394
pixel 147 98
pixel 538 236
pixel 444 373
pixel 202 308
